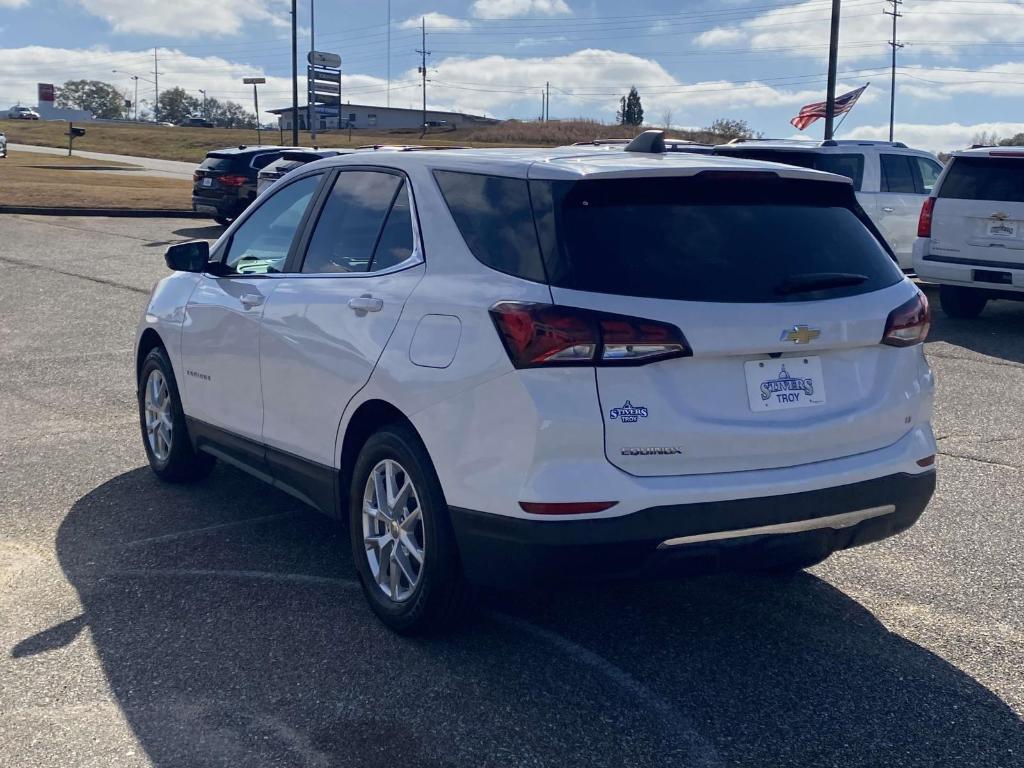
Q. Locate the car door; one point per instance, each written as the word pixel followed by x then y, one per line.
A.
pixel 899 204
pixel 326 325
pixel 220 332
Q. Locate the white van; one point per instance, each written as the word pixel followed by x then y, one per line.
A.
pixel 891 179
pixel 971 231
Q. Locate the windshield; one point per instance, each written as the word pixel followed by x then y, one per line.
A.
pixel 985 178
pixel 850 165
pixel 714 239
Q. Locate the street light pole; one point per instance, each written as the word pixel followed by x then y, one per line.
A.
pixel 833 60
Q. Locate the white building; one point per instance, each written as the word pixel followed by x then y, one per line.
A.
pixel 362 116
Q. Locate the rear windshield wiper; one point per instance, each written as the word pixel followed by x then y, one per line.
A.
pixel 818 281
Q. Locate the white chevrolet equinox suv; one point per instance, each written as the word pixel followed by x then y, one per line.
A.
pixel 510 366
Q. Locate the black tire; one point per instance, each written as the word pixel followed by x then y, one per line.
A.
pixel 223 220
pixel 442 595
pixel 182 464
pixel 962 303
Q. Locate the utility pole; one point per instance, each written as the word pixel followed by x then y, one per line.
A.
pixel 833 60
pixel 156 89
pixel 423 71
pixel 205 115
pixel 543 104
pixel 309 90
pixel 547 102
pixel 389 55
pixel 295 77
pixel 895 13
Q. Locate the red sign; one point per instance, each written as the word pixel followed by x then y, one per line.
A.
pixel 45 92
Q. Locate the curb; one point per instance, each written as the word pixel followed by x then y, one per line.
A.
pixel 127 213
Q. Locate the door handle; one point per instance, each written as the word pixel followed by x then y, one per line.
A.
pixel 366 303
pixel 250 300
pixel 888 210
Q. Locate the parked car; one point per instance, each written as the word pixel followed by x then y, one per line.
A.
pixel 892 180
pixel 290 160
pixel 971 231
pixel 197 122
pixel 3 144
pixel 22 113
pixel 512 367
pixel 225 182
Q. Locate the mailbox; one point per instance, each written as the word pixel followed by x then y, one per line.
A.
pixel 77 132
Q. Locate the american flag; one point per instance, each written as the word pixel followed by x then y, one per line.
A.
pixel 812 112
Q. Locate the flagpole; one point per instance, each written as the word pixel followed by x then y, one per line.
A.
pixel 833 61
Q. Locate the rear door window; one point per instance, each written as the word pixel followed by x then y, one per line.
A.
pixel 706 238
pixel 898 174
pixel 985 178
pixel 351 222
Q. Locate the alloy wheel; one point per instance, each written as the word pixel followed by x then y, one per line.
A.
pixel 159 424
pixel 393 532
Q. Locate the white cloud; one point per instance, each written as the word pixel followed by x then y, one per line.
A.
pixel 590 82
pixel 187 18
pixel 936 138
pixel 508 9
pixel 13 3
pixel 944 26
pixel 22 68
pixel 435 20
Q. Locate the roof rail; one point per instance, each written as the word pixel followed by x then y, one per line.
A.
pixel 600 142
pixel 649 142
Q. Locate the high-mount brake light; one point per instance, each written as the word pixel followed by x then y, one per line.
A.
pixel 909 323
pixel 549 335
pixel 924 224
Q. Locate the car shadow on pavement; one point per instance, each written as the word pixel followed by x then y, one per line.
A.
pixel 231 633
pixel 208 232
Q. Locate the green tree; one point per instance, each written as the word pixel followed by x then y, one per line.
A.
pixel 631 111
pixel 176 105
pixel 727 130
pixel 102 99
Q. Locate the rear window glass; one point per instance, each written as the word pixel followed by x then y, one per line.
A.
pixel 216 163
pixel 706 238
pixel 850 165
pixel 985 178
pixel 494 216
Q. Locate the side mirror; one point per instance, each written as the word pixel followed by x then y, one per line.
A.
pixel 188 257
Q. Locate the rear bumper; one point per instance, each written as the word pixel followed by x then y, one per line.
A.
pixel 503 551
pixel 228 205
pixel 976 273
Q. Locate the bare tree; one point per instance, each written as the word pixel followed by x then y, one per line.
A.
pixel 666 119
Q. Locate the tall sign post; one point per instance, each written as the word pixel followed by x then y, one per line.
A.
pixel 254 81
pixel 323 77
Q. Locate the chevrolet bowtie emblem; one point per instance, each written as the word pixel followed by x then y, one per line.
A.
pixel 800 334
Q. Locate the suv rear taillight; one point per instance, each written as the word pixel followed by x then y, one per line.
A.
pixel 549 335
pixel 232 180
pixel 196 176
pixel 924 224
pixel 909 323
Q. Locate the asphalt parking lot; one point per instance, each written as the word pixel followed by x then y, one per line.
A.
pixel 219 624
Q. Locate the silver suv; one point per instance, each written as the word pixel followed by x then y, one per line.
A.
pixel 892 180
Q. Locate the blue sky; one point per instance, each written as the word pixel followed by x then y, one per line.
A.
pixel 961 72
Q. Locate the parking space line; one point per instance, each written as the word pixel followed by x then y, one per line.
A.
pixel 700 751
pixel 209 529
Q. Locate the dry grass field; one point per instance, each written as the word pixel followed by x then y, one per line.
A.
pixel 31 179
pixel 192 144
